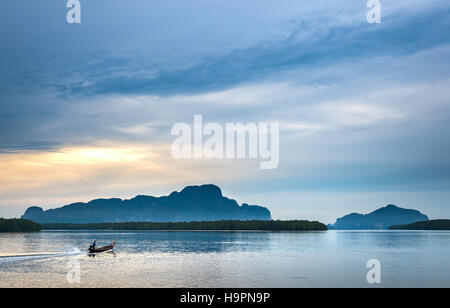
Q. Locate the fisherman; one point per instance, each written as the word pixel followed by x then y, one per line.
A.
pixel 93 244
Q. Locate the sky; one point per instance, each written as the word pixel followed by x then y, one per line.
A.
pixel 86 110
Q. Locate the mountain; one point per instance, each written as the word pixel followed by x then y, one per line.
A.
pixel 379 219
pixel 193 203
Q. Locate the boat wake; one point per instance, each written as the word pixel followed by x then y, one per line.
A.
pixel 34 256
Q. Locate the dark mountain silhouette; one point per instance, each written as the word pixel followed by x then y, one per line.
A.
pixel 379 219
pixel 193 203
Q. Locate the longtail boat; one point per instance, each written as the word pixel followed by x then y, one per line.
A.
pixel 102 249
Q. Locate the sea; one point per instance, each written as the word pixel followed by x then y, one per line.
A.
pixel 191 259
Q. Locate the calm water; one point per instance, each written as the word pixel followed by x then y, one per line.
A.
pixel 227 259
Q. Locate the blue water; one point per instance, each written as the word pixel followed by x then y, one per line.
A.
pixel 226 259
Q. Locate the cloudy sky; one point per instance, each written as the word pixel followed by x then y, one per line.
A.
pixel 364 109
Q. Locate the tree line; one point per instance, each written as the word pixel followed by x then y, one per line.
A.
pixel 437 224
pixel 222 225
pixel 18 225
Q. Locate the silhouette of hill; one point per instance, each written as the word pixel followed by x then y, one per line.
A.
pixel 379 219
pixel 193 203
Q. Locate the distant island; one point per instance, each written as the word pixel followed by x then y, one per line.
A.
pixel 438 224
pixel 193 203
pixel 379 219
pixel 18 225
pixel 223 225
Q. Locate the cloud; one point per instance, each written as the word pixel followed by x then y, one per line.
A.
pixel 86 111
pixel 214 73
pixel 106 169
pixel 318 41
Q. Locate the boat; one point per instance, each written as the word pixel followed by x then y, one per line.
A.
pixel 102 249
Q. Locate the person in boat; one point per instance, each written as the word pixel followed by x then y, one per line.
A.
pixel 93 245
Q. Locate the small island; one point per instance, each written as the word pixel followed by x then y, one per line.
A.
pixel 437 224
pixel 18 225
pixel 221 225
pixel 380 219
